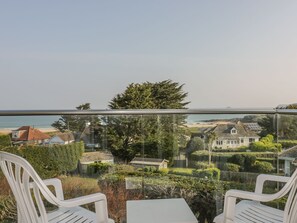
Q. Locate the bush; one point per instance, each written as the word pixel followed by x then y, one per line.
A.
pixel 266 144
pixel 5 140
pixel 249 161
pixel 98 168
pixel 245 162
pixel 231 167
pixel 123 169
pixel 181 171
pixel 237 159
pixel 262 167
pixel 50 161
pixel 8 211
pixel 288 143
pixel 210 173
pixel 151 169
pixel 203 165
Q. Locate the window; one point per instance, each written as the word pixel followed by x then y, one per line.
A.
pixel 233 131
pixel 242 141
pixel 251 140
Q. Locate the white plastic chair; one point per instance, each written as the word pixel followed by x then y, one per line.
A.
pixel 250 210
pixel 28 189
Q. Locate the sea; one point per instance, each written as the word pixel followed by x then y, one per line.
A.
pixel 11 122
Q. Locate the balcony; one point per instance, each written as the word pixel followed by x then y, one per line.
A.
pixel 131 155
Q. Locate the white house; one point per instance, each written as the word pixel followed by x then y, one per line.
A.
pixel 290 157
pixel 62 138
pixel 231 135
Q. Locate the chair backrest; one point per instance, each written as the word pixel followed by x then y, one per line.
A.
pixel 27 188
pixel 290 212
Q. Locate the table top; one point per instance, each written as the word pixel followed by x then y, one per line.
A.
pixel 174 210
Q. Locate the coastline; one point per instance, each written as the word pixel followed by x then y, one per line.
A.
pixel 206 124
pixel 6 131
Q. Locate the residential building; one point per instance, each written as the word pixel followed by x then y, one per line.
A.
pixel 231 135
pixel 29 135
pixel 290 159
pixel 62 138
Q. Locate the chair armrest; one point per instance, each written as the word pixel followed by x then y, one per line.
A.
pixel 56 183
pixel 83 200
pixel 100 205
pixel 266 177
pixel 232 195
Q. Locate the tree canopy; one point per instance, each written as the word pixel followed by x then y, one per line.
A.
pixel 77 123
pixel 161 95
pixel 154 136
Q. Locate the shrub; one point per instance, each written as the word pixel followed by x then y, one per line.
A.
pixel 98 168
pixel 262 167
pixel 5 140
pixel 288 143
pixel 181 171
pixel 249 161
pixel 8 211
pixel 203 165
pixel 231 167
pixel 266 144
pixel 210 173
pixel 151 169
pixel 50 161
pixel 245 162
pixel 123 169
pixel 237 159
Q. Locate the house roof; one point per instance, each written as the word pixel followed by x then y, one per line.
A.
pixel 28 133
pixel 224 131
pixel 147 161
pixel 66 136
pixel 253 126
pixel 289 153
pixel 95 156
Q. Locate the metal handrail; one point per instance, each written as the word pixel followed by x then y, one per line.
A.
pixel 148 111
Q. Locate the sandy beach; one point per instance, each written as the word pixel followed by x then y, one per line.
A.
pixel 8 130
pixel 206 124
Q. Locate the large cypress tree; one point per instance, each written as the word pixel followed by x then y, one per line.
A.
pixel 153 136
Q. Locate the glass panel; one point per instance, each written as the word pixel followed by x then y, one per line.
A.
pixel 144 157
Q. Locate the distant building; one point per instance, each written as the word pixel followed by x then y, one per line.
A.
pixel 253 126
pixel 139 162
pixel 62 138
pixel 290 158
pixel 231 135
pixel 28 135
pixel 93 157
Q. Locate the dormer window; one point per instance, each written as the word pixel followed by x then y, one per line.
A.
pixel 233 131
pixel 15 134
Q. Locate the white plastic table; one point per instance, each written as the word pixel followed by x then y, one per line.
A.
pixel 174 210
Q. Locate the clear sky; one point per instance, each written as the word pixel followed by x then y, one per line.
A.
pixel 61 53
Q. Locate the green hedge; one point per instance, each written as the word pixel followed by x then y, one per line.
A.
pixel 181 171
pixel 210 173
pixel 5 140
pixel 231 167
pixel 262 167
pixel 223 156
pixel 288 143
pixel 203 165
pixel 98 168
pixel 50 161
